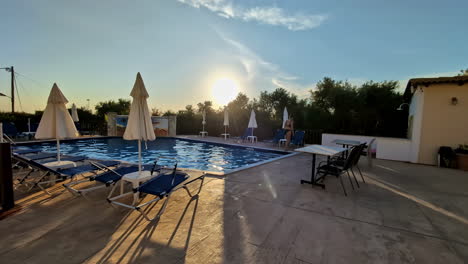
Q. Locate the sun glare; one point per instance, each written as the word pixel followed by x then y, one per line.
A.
pixel 224 90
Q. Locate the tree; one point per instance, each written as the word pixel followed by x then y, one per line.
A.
pixel 169 113
pixel 155 112
pixel 207 106
pixel 463 72
pixel 121 107
pixel 275 102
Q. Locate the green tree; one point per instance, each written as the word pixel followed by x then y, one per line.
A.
pixel 207 106
pixel 121 107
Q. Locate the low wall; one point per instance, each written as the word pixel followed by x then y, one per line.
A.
pixel 164 126
pixel 383 147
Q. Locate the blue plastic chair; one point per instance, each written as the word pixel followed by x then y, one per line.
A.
pixel 279 135
pixel 298 138
pixel 247 132
pixel 9 129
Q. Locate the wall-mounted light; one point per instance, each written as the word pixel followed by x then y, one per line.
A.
pixel 454 101
pixel 400 108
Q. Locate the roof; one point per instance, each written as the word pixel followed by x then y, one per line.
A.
pixel 460 80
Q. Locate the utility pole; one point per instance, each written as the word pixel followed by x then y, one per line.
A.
pixel 12 70
pixel 12 97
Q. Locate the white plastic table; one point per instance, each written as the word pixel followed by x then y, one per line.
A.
pixel 319 150
pixel 203 133
pixel 225 135
pixel 252 139
pixel 136 179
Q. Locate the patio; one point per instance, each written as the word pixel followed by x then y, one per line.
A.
pixel 405 213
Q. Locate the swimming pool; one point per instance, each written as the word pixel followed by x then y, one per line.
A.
pixel 189 153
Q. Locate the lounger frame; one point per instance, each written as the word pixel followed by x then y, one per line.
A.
pixel 113 201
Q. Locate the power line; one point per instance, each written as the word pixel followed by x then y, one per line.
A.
pixel 17 94
pixel 29 78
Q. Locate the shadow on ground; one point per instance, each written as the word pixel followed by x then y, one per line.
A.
pixel 403 214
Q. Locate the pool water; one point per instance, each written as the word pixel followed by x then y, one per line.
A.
pixel 189 153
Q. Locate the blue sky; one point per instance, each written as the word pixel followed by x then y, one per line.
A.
pixel 93 49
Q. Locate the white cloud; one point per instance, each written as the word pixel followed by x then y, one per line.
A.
pixel 264 73
pixel 265 15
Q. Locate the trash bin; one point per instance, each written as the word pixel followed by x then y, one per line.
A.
pixel 447 157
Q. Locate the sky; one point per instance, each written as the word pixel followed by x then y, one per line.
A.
pixel 93 49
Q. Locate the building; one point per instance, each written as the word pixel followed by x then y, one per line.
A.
pixel 438 116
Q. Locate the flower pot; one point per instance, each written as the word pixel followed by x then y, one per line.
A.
pixel 462 161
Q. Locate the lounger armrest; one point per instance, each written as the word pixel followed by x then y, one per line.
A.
pixel 103 167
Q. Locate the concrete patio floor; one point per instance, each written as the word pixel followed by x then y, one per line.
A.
pixel 404 213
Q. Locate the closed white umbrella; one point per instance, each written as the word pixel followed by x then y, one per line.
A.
pixel 226 117
pixel 226 121
pixel 252 121
pixel 285 116
pixel 204 119
pixel 56 121
pixel 74 113
pixel 139 126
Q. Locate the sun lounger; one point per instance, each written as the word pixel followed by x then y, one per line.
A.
pixel 26 151
pixel 107 178
pixel 41 155
pixel 162 186
pixel 64 158
pixel 59 174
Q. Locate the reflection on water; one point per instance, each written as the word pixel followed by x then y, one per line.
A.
pixel 190 154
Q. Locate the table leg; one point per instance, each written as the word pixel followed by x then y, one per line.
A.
pixel 136 194
pixel 313 181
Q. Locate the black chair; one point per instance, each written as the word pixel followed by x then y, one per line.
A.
pixel 338 161
pixel 333 167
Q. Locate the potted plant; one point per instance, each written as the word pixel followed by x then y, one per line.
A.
pixel 462 157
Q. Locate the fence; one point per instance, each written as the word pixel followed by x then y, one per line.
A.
pixel 313 136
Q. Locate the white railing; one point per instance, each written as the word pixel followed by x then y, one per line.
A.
pixel 383 147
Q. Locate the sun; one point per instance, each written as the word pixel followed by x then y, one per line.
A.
pixel 224 90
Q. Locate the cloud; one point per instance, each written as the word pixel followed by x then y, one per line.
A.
pixel 274 16
pixel 264 74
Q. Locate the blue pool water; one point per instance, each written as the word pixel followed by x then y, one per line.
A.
pixel 189 153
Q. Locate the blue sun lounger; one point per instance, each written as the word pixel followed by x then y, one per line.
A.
pixel 107 178
pixel 161 186
pixel 44 157
pixel 72 173
pixel 60 174
pixel 25 151
pixel 41 155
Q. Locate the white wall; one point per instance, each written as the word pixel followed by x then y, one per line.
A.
pixel 327 139
pixel 416 114
pixel 393 149
pixel 385 148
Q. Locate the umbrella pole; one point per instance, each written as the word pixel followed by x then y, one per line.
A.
pixel 139 157
pixel 58 150
pixel 225 132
